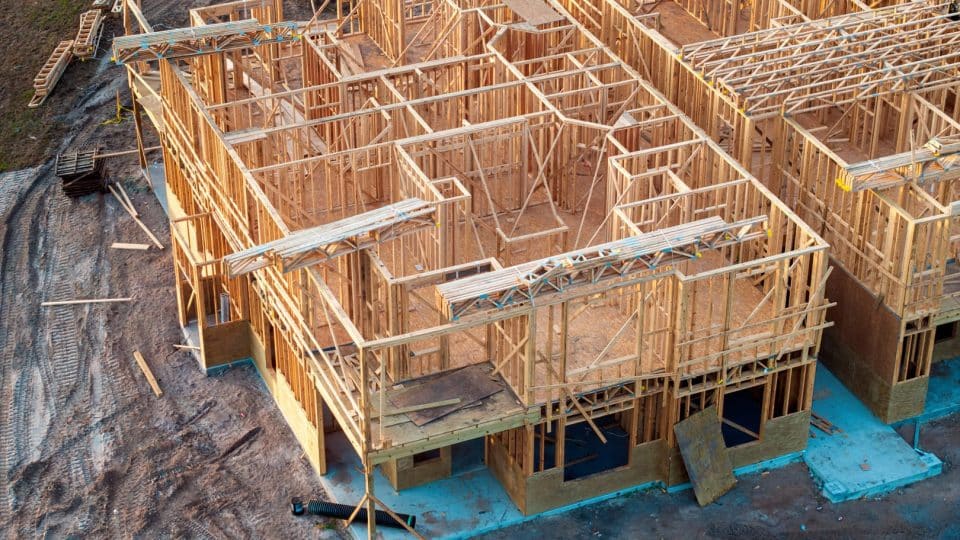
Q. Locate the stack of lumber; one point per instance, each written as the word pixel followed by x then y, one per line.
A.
pixel 51 71
pixel 88 35
pixel 81 173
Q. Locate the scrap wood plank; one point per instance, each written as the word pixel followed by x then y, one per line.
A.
pixel 133 214
pixel 147 373
pixel 123 245
pixel 705 455
pixel 84 301
pixel 126 199
pixel 468 385
pixel 823 424
pixel 416 408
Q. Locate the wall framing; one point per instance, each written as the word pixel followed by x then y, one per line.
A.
pixel 383 222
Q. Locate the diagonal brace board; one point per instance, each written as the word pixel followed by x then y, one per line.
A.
pixel 211 38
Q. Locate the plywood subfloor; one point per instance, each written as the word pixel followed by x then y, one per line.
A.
pixel 400 430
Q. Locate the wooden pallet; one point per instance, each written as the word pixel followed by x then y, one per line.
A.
pixel 88 35
pixel 51 72
pixel 81 172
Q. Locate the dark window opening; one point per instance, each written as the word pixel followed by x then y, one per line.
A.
pixel 945 332
pixel 741 416
pixel 467 456
pixel 585 454
pixel 424 457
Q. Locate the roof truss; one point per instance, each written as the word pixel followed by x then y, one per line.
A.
pixel 326 242
pixel 192 41
pixel 523 284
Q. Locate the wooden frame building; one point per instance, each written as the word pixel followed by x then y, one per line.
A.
pixel 496 232
pixel 851 120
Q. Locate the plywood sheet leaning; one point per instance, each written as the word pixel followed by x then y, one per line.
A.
pixel 705 455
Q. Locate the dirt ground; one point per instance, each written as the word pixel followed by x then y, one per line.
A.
pixel 85 447
pixel 778 504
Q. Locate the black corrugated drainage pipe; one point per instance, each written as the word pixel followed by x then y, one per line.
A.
pixel 343 511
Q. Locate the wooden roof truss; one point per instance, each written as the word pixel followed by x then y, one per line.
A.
pixel 321 244
pixel 197 40
pixel 828 62
pixel 523 284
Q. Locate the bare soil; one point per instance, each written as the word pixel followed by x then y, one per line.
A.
pixel 85 447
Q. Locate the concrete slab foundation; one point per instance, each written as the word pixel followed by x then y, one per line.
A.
pixel 867 458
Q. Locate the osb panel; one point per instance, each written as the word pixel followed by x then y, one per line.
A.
pixel 705 455
pixel 863 325
pixel 906 399
pixel 225 343
pixel 547 490
pixel 780 436
pixel 508 474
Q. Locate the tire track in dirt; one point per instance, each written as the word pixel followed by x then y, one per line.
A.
pixel 21 216
pixel 104 457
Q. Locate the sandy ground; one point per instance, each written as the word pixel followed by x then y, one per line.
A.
pixel 86 449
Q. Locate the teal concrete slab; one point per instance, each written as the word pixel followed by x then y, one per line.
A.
pixel 866 458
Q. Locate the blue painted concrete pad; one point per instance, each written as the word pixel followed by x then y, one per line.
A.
pixel 867 458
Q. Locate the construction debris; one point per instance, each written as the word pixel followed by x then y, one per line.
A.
pixel 121 245
pixel 823 424
pixel 85 301
pixel 50 73
pixel 705 455
pixel 147 373
pixel 81 173
pixel 88 35
pixel 121 196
